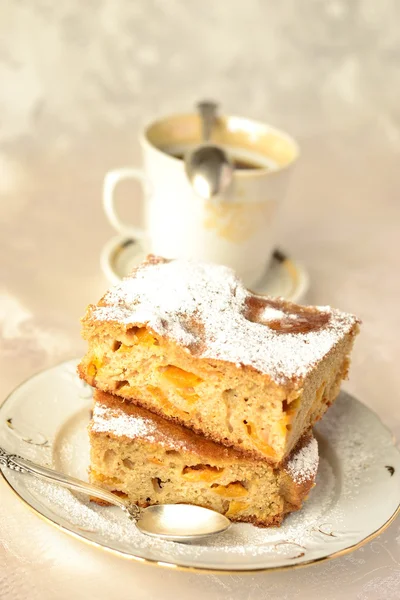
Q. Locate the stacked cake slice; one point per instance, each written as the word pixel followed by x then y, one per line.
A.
pixel 229 385
pixel 151 460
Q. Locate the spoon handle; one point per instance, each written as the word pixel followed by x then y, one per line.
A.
pixel 22 465
pixel 208 112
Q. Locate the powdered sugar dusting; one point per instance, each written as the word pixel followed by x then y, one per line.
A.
pixel 303 465
pixel 120 423
pixel 270 314
pixel 205 308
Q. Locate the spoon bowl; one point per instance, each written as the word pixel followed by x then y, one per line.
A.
pixel 209 170
pixel 208 167
pixel 181 522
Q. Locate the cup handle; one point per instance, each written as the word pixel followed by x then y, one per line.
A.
pixel 111 181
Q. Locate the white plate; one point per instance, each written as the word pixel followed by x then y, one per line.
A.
pixel 284 277
pixel 356 495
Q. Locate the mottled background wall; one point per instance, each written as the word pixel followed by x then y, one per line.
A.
pixel 314 66
pixel 81 77
pixel 77 79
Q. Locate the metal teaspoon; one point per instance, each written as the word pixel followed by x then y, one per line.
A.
pixel 174 522
pixel 209 169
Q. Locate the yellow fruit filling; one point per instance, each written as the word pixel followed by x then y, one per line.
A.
pixel 168 407
pixel 124 348
pixel 292 407
pixel 235 507
pixel 190 397
pixel 94 365
pixel 280 429
pixel 104 478
pixel 232 490
pixel 182 381
pixel 179 377
pixel 133 337
pixel 202 473
pixel 155 461
pixel 265 448
pixel 144 337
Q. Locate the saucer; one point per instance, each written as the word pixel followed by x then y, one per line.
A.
pixel 356 495
pixel 285 277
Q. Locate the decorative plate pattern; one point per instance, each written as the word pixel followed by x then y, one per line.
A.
pixel 356 495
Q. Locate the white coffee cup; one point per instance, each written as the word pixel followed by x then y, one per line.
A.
pixel 239 230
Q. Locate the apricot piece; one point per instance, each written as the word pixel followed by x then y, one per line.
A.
pixel 190 397
pixel 155 461
pixel 133 337
pixel 292 407
pixel 94 365
pixel 259 444
pixel 104 478
pixel 144 337
pixel 235 507
pixel 168 407
pixel 281 427
pixel 232 490
pixel 124 348
pixel 202 473
pixel 156 393
pixel 91 369
pixel 179 377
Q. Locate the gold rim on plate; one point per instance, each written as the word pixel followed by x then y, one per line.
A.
pixel 206 570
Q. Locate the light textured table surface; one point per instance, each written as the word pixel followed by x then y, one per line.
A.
pixel 76 82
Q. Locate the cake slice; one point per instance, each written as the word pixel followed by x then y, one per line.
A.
pixel 153 461
pixel 186 340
